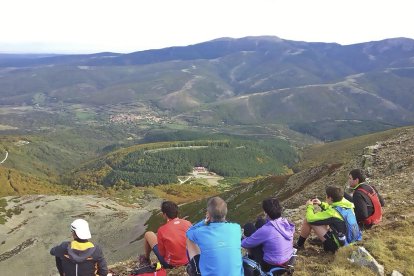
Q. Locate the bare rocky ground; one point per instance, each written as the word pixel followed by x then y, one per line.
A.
pixel 44 221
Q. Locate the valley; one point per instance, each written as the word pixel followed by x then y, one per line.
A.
pixel 107 137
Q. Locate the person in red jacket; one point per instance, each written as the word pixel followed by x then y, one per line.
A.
pixel 169 244
pixel 367 200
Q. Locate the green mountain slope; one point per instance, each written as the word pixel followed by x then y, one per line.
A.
pixel 385 156
pixel 163 162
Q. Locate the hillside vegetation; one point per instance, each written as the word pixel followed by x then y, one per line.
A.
pixel 163 162
pixel 389 165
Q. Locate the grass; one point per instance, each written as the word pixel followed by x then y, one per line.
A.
pixel 341 151
pixel 181 193
pixel 391 245
pixel 3 205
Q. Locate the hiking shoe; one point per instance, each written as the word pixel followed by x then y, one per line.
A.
pixel 299 248
pixel 143 261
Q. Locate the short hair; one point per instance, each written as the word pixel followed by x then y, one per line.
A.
pixel 334 192
pixel 357 173
pixel 217 209
pixel 170 209
pixel 272 207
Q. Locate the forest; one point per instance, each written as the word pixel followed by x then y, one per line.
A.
pixel 162 163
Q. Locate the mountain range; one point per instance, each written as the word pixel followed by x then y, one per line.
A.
pixel 252 80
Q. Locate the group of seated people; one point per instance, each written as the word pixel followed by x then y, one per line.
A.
pixel 213 245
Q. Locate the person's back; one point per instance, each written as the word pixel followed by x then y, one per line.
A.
pixel 272 244
pixel 80 256
pixel 220 247
pixel 214 245
pixel 172 241
pixel 169 244
pixel 368 205
pixel 276 236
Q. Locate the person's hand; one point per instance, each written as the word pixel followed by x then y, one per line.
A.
pixel 207 219
pixel 309 202
pixel 316 201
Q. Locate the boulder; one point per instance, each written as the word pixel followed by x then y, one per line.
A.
pixel 363 258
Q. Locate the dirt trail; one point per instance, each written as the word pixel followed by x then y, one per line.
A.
pixel 5 158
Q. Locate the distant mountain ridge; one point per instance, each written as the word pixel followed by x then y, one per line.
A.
pixel 251 80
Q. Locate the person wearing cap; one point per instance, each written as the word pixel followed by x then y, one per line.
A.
pixel 80 256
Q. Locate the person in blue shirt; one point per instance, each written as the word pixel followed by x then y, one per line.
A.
pixel 215 243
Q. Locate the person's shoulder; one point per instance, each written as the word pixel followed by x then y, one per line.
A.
pixel 186 223
pixel 60 249
pixel 64 244
pixel 98 248
pixel 231 224
pixel 364 186
pixel 162 228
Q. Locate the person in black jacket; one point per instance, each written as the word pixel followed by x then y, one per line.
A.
pixel 79 257
pixel 367 200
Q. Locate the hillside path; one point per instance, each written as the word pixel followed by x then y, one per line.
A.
pixel 5 158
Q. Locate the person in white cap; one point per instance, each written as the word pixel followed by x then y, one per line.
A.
pixel 79 257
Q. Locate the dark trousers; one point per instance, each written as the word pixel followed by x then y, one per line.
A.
pixel 255 253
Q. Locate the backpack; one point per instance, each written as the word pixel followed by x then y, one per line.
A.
pixel 353 233
pixel 376 216
pixel 252 268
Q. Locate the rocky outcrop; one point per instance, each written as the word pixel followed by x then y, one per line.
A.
pixel 363 258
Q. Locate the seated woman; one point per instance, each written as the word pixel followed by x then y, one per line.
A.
pixel 272 244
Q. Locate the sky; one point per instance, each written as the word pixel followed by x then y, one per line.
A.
pixel 124 26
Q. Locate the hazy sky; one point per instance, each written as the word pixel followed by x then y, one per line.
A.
pixel 132 25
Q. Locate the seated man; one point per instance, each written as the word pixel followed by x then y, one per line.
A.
pixel 169 245
pixel 367 200
pixel 272 244
pixel 80 256
pixel 327 223
pixel 215 243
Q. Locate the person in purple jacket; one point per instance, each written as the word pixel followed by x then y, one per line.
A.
pixel 272 244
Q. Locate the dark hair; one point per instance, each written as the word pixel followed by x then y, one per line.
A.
pixel 217 209
pixel 260 221
pixel 357 173
pixel 272 207
pixel 170 209
pixel 75 237
pixel 334 192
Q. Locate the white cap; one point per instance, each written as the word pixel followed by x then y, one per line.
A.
pixel 81 229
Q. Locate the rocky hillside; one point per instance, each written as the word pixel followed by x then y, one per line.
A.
pixel 388 159
pixel 36 223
